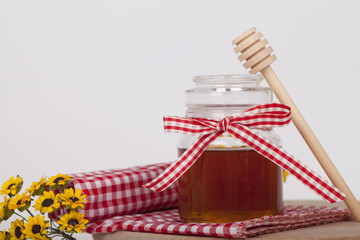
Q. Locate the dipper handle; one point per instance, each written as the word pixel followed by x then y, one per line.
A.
pixel 258 58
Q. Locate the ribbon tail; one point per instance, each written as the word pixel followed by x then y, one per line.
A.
pixel 182 164
pixel 288 162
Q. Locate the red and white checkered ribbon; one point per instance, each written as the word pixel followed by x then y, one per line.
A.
pixel 262 116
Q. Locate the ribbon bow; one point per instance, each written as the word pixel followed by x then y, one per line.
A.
pixel 262 116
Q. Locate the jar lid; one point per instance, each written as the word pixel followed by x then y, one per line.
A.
pixel 227 90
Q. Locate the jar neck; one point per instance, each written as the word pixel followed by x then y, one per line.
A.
pixel 216 112
pixel 218 96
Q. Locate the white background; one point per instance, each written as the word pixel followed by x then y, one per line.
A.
pixel 84 84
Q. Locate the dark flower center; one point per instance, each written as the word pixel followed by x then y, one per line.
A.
pixel 18 232
pixel 58 179
pixel 19 202
pixel 36 229
pixel 73 222
pixel 47 202
pixel 10 185
pixel 74 199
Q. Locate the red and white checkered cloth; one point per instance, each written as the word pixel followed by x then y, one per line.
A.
pixel 119 191
pixel 169 222
pixel 114 194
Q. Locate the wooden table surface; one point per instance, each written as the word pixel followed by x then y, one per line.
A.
pixel 340 230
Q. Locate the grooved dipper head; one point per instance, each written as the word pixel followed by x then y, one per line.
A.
pixel 252 49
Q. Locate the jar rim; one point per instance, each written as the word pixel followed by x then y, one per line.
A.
pixel 228 79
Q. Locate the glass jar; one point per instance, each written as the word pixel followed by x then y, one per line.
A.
pixel 230 181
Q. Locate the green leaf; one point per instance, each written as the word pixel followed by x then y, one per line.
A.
pixel 7 213
pixel 25 207
pixel 7 236
pixel 40 191
pixel 59 187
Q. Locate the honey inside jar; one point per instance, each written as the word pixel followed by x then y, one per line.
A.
pixel 228 185
pixel 229 181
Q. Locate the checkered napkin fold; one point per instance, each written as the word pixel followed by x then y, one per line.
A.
pixel 169 222
pixel 117 201
pixel 117 192
pixel 242 127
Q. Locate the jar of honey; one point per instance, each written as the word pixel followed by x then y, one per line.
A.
pixel 230 181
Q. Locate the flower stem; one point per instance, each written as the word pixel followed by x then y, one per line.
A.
pixel 29 212
pixel 52 224
pixel 57 214
pixel 63 234
pixel 20 216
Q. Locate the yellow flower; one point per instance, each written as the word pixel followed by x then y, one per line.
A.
pixel 12 186
pixel 285 175
pixel 17 230
pixel 19 201
pixel 2 208
pixel 2 235
pixel 58 180
pixel 36 227
pixel 48 202
pixel 5 213
pixel 36 186
pixel 72 222
pixel 73 199
pixel 41 237
pixel 2 214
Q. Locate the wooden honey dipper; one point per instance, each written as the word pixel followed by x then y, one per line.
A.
pixel 258 57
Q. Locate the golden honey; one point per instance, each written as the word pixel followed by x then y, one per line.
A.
pixel 230 185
